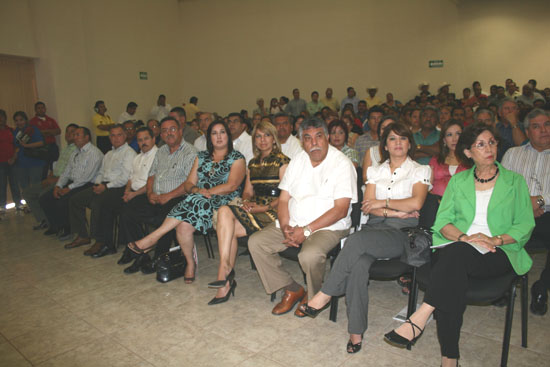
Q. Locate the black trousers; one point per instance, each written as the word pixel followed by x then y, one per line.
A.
pixel 104 144
pixel 140 211
pixel 542 231
pixel 110 209
pixel 452 266
pixel 57 210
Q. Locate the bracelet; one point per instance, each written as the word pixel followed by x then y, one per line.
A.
pixel 386 212
pixel 459 237
pixel 501 240
pixel 269 207
pixel 387 202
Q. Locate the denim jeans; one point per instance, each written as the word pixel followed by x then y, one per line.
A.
pixel 27 176
pixel 7 174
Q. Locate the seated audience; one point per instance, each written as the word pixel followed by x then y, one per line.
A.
pixel 188 133
pixel 33 192
pixel 164 187
pixel 28 168
pixel 373 156
pixel 261 109
pixel 191 109
pixel 350 98
pixel 129 114
pixel 372 99
pixel 80 173
pixel 338 137
pixel 314 105
pixel 370 138
pixel 257 209
pixel 317 191
pixel 528 95
pixel 362 114
pixel 274 107
pixel 290 145
pixel 161 109
pixel 205 119
pixel 242 142
pixel 108 185
pixel 395 192
pixel 130 135
pixel 468 115
pixel 444 116
pixel 485 116
pixel 426 139
pixel 350 126
pixel 215 179
pixel 476 209
pixel 532 161
pixel 154 126
pixel 102 123
pixel 329 101
pixel 509 126
pixel 7 171
pixel 296 106
pixel 458 113
pixel 415 120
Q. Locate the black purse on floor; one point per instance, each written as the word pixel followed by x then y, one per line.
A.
pixel 171 265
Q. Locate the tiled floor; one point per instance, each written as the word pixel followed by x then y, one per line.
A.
pixel 59 308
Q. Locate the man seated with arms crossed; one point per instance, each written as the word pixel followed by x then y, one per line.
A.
pixel 532 161
pixel 135 186
pixel 317 191
pixel 164 188
pixel 109 184
pixel 290 145
pixel 79 174
pixel 33 192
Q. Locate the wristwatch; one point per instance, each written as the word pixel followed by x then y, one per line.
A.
pixel 540 201
pixel 307 231
pixel 418 146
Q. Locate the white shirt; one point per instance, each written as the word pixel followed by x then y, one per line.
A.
pixel 243 144
pixel 479 224
pixel 116 166
pixel 313 190
pixel 140 168
pixel 160 112
pixel 398 185
pixel 291 147
pixel 125 116
pixel 200 143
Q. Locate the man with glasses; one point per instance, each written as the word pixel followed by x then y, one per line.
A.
pixel 164 189
pixel 130 133
pixel 189 134
pixel 532 161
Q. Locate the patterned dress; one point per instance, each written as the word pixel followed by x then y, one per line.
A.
pixel 196 209
pixel 264 177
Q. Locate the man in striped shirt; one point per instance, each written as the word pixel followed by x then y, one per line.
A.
pixel 532 161
pixel 79 174
pixel 168 172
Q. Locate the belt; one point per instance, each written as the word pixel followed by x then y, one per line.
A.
pixel 264 191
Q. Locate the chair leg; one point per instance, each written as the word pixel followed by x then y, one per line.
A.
pixel 524 301
pixel 333 308
pixel 508 325
pixel 413 295
pixel 208 244
pixel 273 295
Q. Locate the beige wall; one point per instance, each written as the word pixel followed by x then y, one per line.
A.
pixel 229 52
pixel 503 38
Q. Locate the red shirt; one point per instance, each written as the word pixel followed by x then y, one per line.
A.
pixel 6 144
pixel 45 124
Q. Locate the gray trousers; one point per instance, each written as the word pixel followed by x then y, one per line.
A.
pixel 32 194
pixel 350 273
pixel 265 245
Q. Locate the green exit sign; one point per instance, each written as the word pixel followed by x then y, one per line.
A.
pixel 143 75
pixel 435 63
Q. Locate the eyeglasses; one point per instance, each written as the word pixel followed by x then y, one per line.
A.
pixel 480 145
pixel 172 129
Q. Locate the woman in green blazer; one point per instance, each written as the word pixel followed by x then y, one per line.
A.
pixel 486 217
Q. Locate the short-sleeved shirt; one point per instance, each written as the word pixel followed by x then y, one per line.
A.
pixel 332 103
pixel 141 166
pixel 61 163
pixel 364 142
pixel 171 169
pixel 313 190
pixel 243 144
pixel 291 147
pixel 295 107
pixel 432 138
pixel 45 123
pixel 399 184
pixel 99 120
pixel 30 134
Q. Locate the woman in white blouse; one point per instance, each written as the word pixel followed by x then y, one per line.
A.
pixel 395 192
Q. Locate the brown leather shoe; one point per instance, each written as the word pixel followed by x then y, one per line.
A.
pixel 288 301
pixel 298 312
pixel 78 242
pixel 94 249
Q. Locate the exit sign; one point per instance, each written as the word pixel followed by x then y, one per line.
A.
pixel 143 75
pixel 435 63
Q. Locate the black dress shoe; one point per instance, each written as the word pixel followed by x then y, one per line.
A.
pixel 147 265
pixel 136 265
pixel 105 250
pixel 539 299
pixel 50 232
pixel 127 257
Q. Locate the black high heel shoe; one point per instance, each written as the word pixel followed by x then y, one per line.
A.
pixel 221 283
pixel 397 340
pixel 216 300
pixel 312 311
pixel 354 348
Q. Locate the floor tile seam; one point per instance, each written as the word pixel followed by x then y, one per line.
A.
pixel 263 356
pixel 117 341
pixel 16 349
pixel 511 344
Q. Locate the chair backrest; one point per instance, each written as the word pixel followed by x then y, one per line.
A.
pixel 428 211
pixel 356 208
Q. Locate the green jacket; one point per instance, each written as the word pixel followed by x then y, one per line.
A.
pixel 510 212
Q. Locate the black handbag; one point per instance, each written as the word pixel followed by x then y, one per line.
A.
pixel 37 153
pixel 417 250
pixel 171 265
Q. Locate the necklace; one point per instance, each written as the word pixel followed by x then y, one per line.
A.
pixel 481 180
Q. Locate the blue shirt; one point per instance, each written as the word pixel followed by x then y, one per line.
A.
pixel 134 145
pixel 29 134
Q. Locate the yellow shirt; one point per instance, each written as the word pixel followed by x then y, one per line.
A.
pixel 332 103
pixel 371 102
pixel 190 111
pixel 101 120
